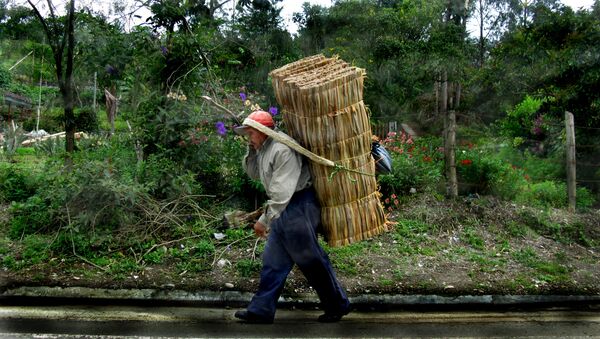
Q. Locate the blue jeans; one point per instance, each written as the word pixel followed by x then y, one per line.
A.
pixel 293 240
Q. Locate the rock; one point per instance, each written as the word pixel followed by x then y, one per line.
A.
pixel 223 262
pixel 229 285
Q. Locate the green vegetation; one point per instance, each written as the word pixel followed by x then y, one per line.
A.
pixel 153 193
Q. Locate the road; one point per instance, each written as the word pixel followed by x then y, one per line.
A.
pixel 125 321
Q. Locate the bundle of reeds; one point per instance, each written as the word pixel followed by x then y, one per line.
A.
pixel 323 109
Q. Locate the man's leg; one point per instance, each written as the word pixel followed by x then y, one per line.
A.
pixel 300 240
pixel 277 264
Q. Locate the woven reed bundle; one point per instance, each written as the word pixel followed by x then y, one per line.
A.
pixel 323 110
pixel 348 123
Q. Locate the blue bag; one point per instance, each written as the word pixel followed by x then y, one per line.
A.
pixel 383 160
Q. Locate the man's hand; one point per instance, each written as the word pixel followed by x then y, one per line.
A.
pixel 260 230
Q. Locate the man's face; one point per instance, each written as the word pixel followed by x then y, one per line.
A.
pixel 255 138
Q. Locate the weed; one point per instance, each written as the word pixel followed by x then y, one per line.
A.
pixel 234 234
pixel 15 184
pixel 11 263
pixel 347 267
pixel 386 282
pixel 123 266
pixel 248 268
pixel 487 264
pixel 194 265
pixel 204 248
pixel 471 237
pixel 526 256
pixel 516 229
pixel 35 249
pixel 155 257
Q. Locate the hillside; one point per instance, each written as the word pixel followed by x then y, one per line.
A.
pixel 470 246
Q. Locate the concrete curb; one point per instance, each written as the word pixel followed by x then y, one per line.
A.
pixel 237 298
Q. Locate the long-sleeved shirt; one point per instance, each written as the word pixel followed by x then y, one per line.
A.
pixel 281 170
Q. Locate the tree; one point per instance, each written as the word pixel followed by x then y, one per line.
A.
pixel 61 37
pixel 19 23
pixel 312 27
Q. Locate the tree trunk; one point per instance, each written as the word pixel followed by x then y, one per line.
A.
pixel 481 38
pixel 571 161
pixel 64 76
pixel 449 154
pixel 69 115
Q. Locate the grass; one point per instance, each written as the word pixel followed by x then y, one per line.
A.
pixel 433 243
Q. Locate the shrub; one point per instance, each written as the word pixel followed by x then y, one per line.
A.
pixel 553 194
pixel 15 185
pixel 86 120
pixel 166 179
pixel 415 165
pixel 33 215
pixel 520 121
pixel 248 268
pixel 35 249
pixel 477 171
pixel 544 194
pixel 5 78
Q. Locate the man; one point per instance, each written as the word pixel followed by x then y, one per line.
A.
pixel 291 217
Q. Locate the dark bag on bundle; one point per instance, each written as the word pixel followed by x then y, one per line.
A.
pixel 383 161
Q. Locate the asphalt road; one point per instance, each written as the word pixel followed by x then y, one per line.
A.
pixel 102 321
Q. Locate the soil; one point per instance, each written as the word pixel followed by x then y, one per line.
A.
pixel 472 246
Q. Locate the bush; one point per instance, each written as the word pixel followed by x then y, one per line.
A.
pixel 29 217
pixel 520 121
pixel 415 165
pixel 166 179
pixel 5 78
pixel 86 120
pixel 477 171
pixel 553 194
pixel 15 184
pixel 544 194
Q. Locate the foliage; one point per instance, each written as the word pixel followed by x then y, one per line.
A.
pixel 553 194
pixel 13 138
pixel 5 78
pixel 478 171
pixel 29 217
pixel 15 183
pixel 86 120
pixel 247 267
pixel 519 121
pixel 416 165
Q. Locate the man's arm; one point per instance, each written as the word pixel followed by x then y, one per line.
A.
pixel 250 164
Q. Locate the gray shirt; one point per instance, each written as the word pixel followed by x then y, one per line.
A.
pixel 281 170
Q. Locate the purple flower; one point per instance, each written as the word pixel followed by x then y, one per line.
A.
pixel 273 110
pixel 221 128
pixel 164 50
pixel 243 96
pixel 111 70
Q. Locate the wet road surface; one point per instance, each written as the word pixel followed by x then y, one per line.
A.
pixel 123 321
